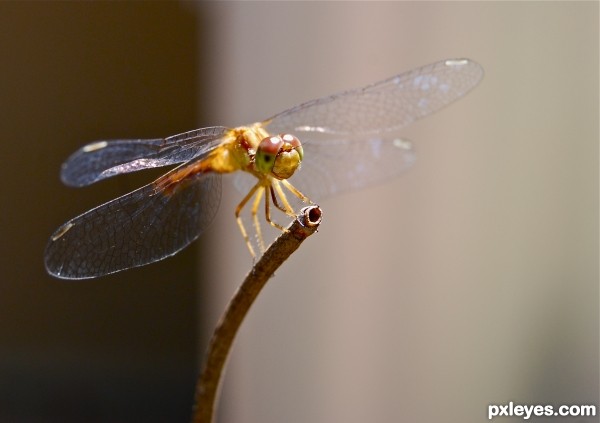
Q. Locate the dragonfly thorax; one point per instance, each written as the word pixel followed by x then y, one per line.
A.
pixel 279 156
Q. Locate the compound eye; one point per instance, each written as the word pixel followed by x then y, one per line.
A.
pixel 294 143
pixel 271 145
pixel 291 140
pixel 266 153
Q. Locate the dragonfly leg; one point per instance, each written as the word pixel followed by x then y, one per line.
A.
pixel 274 199
pixel 268 215
pixel 256 223
pixel 295 191
pixel 287 208
pixel 238 219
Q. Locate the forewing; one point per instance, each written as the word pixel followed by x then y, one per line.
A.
pixel 103 159
pixel 383 106
pixel 141 227
pixel 335 164
pixel 349 164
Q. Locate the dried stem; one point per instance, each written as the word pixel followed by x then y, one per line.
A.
pixel 305 224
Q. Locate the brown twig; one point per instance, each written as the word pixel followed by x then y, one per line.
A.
pixel 305 224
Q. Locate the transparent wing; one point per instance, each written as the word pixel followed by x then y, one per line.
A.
pixel 348 164
pixel 138 228
pixel 103 159
pixel 351 139
pixel 383 106
pixel 335 163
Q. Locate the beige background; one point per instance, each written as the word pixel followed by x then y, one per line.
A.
pixel 475 279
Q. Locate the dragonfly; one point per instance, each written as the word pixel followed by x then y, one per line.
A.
pixel 320 148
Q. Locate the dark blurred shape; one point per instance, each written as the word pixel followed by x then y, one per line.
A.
pixel 120 348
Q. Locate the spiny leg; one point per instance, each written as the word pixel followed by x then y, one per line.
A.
pixel 238 219
pixel 274 199
pixel 287 207
pixel 295 191
pixel 268 214
pixel 256 223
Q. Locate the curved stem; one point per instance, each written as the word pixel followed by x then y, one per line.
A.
pixel 305 224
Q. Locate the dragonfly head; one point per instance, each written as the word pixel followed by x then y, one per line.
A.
pixel 279 156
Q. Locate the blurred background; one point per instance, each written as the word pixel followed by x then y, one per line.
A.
pixel 474 281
